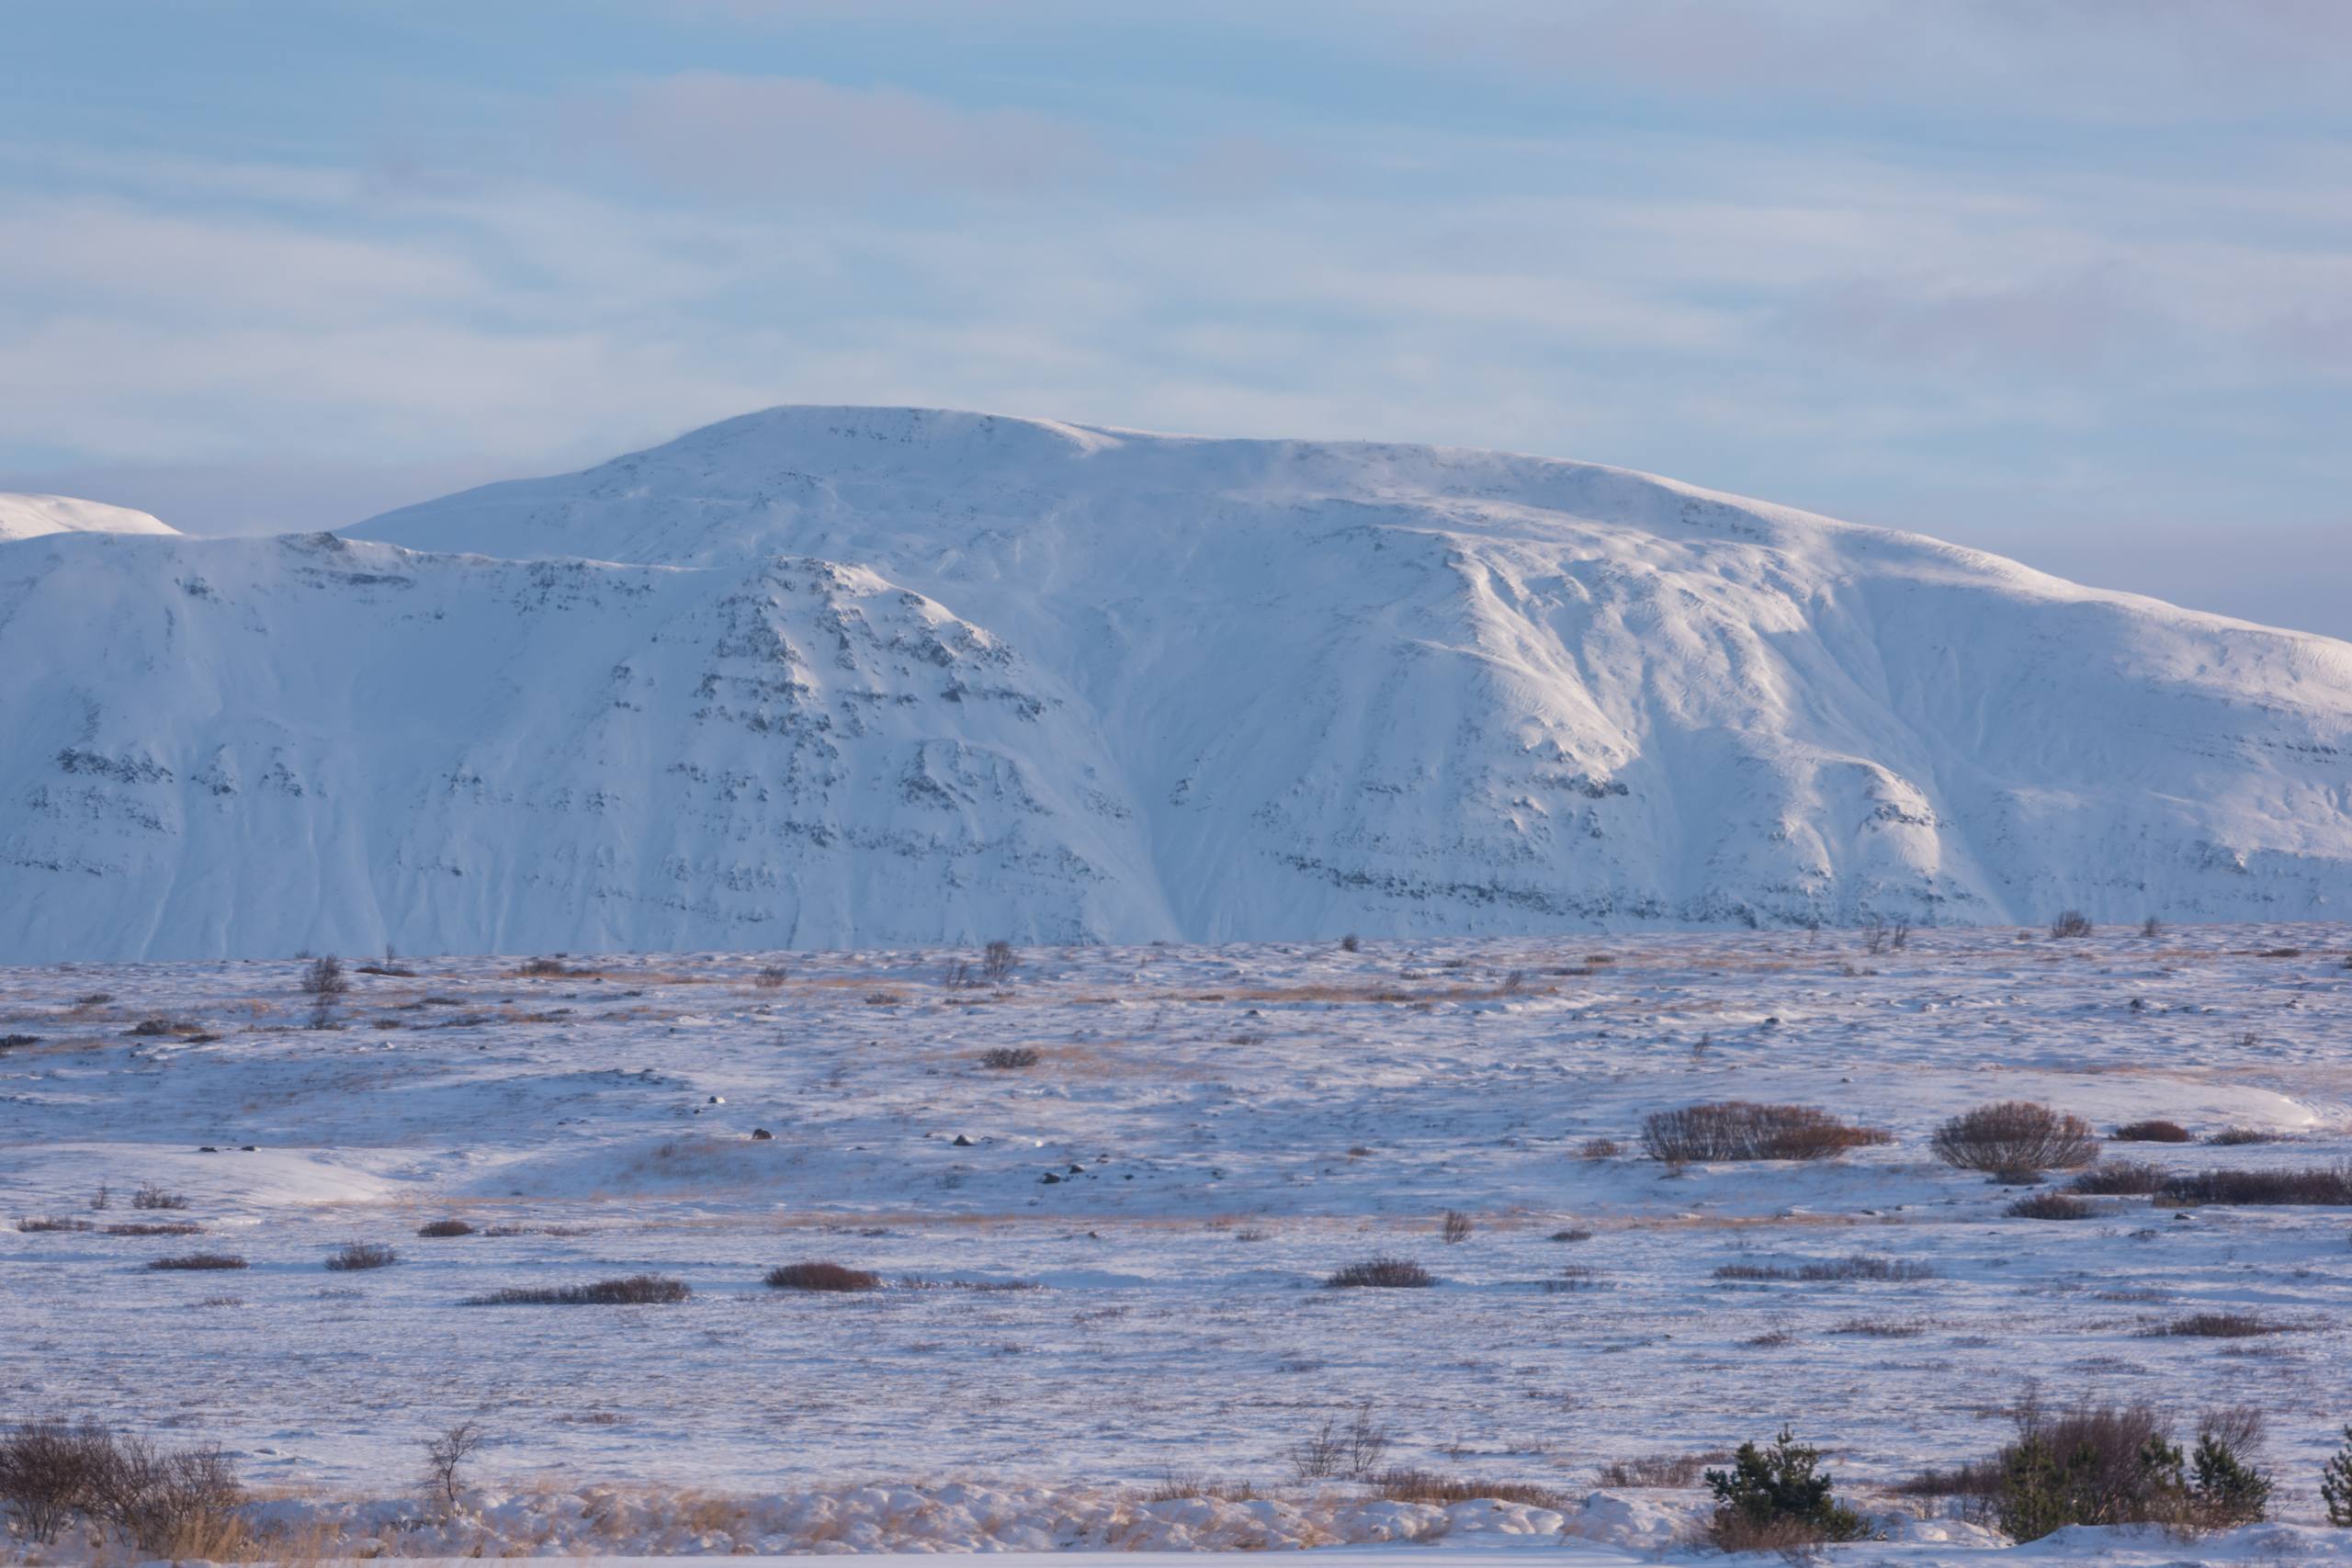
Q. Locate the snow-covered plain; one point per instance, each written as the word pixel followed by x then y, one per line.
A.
pixel 823 677
pixel 1206 1134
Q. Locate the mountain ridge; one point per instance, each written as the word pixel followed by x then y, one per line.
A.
pixel 835 677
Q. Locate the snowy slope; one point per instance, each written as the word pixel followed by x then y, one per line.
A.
pixel 29 516
pixel 832 676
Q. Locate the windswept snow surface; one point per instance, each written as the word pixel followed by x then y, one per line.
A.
pixel 836 677
pixel 1206 1134
pixel 31 516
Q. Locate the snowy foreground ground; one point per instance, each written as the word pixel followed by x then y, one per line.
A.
pixel 1206 1134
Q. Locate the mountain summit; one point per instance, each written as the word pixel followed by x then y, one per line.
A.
pixel 831 676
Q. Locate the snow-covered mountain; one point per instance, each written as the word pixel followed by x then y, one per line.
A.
pixel 823 676
pixel 29 516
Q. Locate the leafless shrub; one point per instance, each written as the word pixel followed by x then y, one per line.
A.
pixel 17 1041
pixel 2152 928
pixel 2238 1137
pixel 103 1197
pixel 2239 1427
pixel 1349 1451
pixel 1401 1485
pixel 1573 1233
pixel 1662 1470
pixel 49 1473
pixel 2050 1206
pixel 2152 1131
pixel 1739 1130
pixel 959 975
pixel 997 961
pixel 2016 1136
pixel 1350 943
pixel 170 1504
pixel 2121 1178
pixel 1601 1148
pixel 151 1196
pixel 199 1260
pixel 2223 1325
pixel 821 1277
pixel 1382 1273
pixel 1457 1228
pixel 446 1456
pixel 445 1228
pixel 1885 1328
pixel 157 1028
pixel 325 978
pixel 166 1227
pixel 2071 923
pixel 771 976
pixel 34 1223
pixel 2319 1185
pixel 1010 1058
pixel 634 1290
pixel 358 1255
pixel 883 998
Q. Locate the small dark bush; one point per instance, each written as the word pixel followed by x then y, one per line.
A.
pixel 771 978
pixel 2223 1325
pixel 2121 1178
pixel 199 1260
pixel 2016 1136
pixel 1350 943
pixel 2050 1206
pixel 2071 923
pixel 357 1255
pixel 1007 1058
pixel 1777 1496
pixel 16 1041
pixel 1735 1130
pixel 1382 1273
pixel 997 963
pixel 166 1227
pixel 2238 1137
pixel 821 1277
pixel 325 978
pixel 32 1223
pixel 151 1196
pixel 445 1227
pixel 1862 1265
pixel 635 1289
pixel 2318 1185
pixel 1601 1148
pixel 2152 1132
pixel 1456 1227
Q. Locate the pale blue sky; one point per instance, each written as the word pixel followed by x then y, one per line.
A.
pixel 2069 279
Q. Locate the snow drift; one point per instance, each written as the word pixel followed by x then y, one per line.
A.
pixel 822 676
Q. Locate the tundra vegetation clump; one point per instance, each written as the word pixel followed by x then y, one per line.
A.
pixel 177 1503
pixel 2016 1137
pixel 834 1277
pixel 1381 1273
pixel 1739 1130
pixel 2116 1464
pixel 635 1289
pixel 1778 1499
